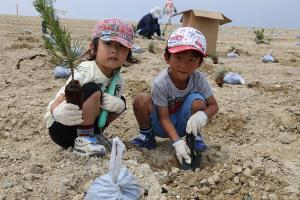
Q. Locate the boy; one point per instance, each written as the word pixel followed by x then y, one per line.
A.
pixel 181 100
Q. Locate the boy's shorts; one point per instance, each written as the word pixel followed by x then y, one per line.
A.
pixel 178 119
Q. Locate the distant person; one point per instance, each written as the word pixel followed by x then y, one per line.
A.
pixel 148 26
pixel 181 100
pixel 70 126
pixel 169 10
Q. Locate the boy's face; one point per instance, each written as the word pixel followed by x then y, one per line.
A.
pixel 110 55
pixel 183 64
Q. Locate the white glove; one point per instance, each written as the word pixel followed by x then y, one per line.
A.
pixel 112 103
pixel 68 114
pixel 161 38
pixel 182 151
pixel 196 122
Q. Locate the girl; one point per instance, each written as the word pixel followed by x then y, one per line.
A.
pixel 110 48
pixel 169 10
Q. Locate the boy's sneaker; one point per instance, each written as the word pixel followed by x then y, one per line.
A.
pixel 88 146
pixel 145 141
pixel 200 145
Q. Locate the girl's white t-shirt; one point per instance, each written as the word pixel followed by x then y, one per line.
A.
pixel 87 72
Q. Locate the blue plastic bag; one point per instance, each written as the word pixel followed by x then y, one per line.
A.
pixel 61 72
pixel 268 58
pixel 233 54
pixel 233 78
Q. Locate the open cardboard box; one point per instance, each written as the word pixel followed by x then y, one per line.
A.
pixel 206 22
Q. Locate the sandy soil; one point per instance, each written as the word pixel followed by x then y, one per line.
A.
pixel 255 143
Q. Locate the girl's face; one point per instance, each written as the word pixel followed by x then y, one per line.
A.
pixel 182 65
pixel 110 55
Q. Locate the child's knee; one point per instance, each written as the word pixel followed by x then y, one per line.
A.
pixel 198 104
pixel 95 97
pixel 142 100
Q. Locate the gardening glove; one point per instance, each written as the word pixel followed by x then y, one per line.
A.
pixel 161 38
pixel 68 114
pixel 112 103
pixel 182 151
pixel 196 122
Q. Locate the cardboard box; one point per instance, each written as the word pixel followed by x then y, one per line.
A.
pixel 206 22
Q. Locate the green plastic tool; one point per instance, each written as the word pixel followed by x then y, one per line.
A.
pixel 111 90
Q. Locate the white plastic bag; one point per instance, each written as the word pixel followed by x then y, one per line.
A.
pixel 119 183
pixel 268 58
pixel 233 78
pixel 233 54
pixel 61 72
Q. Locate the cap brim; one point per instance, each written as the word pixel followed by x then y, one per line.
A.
pixel 184 48
pixel 120 40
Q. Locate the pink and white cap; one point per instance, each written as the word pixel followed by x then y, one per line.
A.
pixel 114 30
pixel 187 38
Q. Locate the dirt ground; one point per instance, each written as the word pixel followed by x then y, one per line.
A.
pixel 254 139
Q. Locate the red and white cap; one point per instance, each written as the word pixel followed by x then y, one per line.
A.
pixel 114 30
pixel 187 38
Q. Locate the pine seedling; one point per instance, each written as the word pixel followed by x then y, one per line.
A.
pixel 220 75
pixel 261 38
pixel 214 58
pixel 63 50
pixel 151 47
pixel 234 50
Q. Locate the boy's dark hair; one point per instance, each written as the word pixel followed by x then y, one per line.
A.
pixel 92 55
pixel 195 53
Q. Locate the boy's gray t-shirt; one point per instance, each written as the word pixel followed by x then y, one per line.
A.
pixel 164 92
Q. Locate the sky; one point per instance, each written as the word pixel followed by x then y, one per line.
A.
pixel 250 13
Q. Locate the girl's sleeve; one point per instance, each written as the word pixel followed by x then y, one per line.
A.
pixel 48 117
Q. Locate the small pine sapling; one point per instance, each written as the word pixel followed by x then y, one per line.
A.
pixel 62 49
pixel 260 37
pixel 220 76
pixel 214 58
pixel 151 47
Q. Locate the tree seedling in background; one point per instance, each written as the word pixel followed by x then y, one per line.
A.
pixel 261 38
pixel 151 47
pixel 220 75
pixel 235 50
pixel 214 58
pixel 134 27
pixel 62 49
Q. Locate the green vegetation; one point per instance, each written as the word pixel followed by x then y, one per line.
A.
pixel 151 46
pixel 214 58
pixel 261 38
pixel 62 49
pixel 220 75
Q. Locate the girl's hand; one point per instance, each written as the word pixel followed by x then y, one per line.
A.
pixel 67 114
pixel 112 103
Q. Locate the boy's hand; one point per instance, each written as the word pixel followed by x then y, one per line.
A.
pixel 112 103
pixel 68 114
pixel 196 122
pixel 182 151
